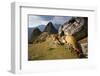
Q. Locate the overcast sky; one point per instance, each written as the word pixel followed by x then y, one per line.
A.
pixel 36 20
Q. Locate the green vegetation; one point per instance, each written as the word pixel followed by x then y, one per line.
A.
pixel 48 50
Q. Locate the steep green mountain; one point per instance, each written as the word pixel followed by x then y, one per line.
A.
pixel 50 29
pixel 36 32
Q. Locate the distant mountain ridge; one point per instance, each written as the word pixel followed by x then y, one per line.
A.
pixel 41 27
pixel 30 30
pixel 57 26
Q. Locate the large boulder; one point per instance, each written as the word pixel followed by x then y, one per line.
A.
pixel 77 26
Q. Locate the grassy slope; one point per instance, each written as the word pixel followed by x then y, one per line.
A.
pixel 48 50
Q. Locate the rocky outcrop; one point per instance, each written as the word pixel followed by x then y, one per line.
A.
pixel 77 26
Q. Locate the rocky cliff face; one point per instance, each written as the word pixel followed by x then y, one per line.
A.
pixel 77 26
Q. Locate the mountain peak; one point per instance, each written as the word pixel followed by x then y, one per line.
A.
pixel 50 28
pixel 36 32
pixel 50 23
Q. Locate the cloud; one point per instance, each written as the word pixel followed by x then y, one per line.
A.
pixel 36 20
pixel 60 19
pixel 47 18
